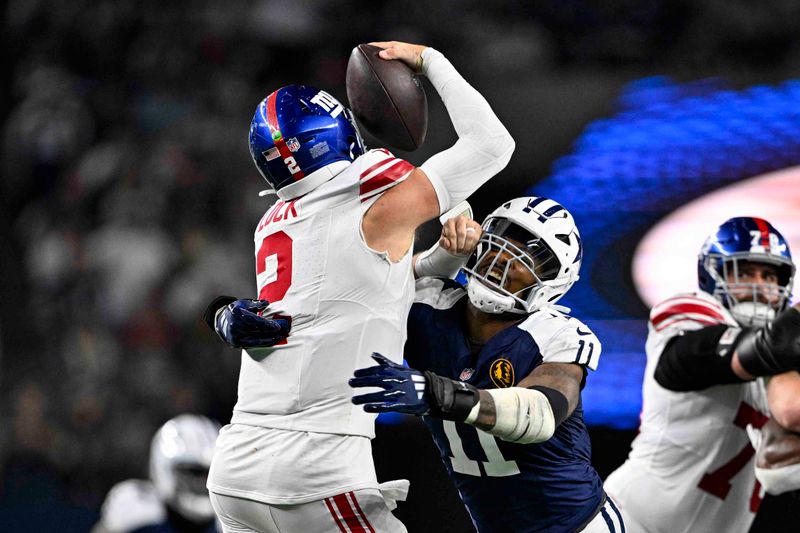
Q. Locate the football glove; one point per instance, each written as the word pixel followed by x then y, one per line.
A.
pixel 240 325
pixel 403 388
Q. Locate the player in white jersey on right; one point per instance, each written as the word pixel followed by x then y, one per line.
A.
pixel 333 258
pixel 691 467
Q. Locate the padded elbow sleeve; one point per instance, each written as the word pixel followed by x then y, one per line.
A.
pixel 698 359
pixel 526 416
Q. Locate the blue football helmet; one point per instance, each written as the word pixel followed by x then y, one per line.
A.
pixel 301 137
pixel 753 240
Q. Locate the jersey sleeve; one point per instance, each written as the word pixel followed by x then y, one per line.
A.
pixel 574 343
pixel 130 505
pixel 380 171
pixel 686 312
pixel 563 339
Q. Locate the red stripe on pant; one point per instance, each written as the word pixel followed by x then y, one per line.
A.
pixel 360 512
pixel 329 505
pixel 348 513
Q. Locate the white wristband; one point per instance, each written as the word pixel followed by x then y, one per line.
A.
pixel 436 261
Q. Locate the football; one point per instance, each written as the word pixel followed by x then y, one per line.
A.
pixel 387 98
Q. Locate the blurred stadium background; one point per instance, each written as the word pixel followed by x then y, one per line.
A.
pixel 128 199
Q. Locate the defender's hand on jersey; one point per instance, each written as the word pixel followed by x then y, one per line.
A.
pixel 410 54
pixel 404 388
pixel 460 236
pixel 240 325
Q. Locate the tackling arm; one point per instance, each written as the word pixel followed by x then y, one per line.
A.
pixel 459 239
pixel 531 411
pixel 527 413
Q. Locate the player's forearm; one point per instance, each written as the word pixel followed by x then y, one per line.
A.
pixel 516 414
pixel 484 146
pixel 487 414
pixel 698 360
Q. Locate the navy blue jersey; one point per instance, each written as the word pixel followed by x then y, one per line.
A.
pixel 549 486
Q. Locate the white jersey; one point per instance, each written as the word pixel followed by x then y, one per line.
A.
pixel 344 301
pixel 690 468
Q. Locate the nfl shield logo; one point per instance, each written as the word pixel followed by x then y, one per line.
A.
pixel 466 374
pixel 293 144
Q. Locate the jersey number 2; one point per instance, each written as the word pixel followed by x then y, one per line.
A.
pixel 718 482
pixel 495 465
pixel 274 266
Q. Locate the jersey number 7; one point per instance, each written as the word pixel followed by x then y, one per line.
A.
pixel 718 482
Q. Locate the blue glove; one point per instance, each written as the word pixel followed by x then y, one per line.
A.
pixel 404 388
pixel 239 325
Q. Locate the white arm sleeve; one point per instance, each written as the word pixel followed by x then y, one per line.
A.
pixel 484 146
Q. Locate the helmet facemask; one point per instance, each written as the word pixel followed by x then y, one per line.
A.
pixel 191 495
pixel 502 246
pixel 751 304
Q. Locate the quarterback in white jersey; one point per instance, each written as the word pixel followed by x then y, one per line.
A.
pixel 333 259
pixel 691 466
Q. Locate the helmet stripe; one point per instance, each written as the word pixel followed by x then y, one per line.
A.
pixel 277 138
pixel 764 229
pixel 550 212
pixel 533 203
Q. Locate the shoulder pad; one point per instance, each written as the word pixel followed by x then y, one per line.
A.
pixel 689 311
pixel 379 170
pixel 563 339
pixel 439 293
pixel 130 505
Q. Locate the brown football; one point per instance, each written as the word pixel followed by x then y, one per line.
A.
pixel 387 98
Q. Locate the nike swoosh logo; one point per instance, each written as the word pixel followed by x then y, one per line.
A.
pixel 583 333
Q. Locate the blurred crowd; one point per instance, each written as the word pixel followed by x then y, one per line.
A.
pixel 129 198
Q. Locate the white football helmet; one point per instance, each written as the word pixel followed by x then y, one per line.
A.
pixel 541 235
pixel 180 457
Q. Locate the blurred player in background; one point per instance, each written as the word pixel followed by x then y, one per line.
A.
pixel 333 258
pixel 498 371
pixel 691 468
pixel 175 499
